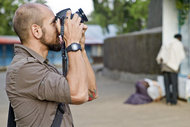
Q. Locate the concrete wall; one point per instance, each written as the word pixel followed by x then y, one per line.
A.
pixel 134 52
pixel 170 20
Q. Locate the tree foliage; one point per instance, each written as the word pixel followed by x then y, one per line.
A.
pixel 183 7
pixel 127 15
pixel 7 10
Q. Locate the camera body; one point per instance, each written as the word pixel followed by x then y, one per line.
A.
pixel 62 15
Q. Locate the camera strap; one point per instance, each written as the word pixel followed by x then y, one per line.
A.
pixel 64 55
pixel 11 117
pixel 58 116
pixel 60 108
pixel 56 122
pixel 62 30
pixel 64 60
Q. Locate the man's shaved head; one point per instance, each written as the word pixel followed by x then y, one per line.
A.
pixel 24 17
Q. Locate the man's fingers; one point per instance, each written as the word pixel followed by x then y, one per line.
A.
pixel 81 26
pixel 58 25
pixel 79 20
pixel 75 17
pixel 68 14
pixel 85 27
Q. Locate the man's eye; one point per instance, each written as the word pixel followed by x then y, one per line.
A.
pixel 54 21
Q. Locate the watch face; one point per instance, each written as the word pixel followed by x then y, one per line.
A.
pixel 74 47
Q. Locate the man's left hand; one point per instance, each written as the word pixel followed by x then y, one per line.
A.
pixel 82 41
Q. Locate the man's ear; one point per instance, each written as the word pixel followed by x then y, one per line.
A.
pixel 36 31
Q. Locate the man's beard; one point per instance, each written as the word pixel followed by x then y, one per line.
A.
pixel 52 47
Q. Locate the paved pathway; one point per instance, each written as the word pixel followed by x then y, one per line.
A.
pixel 109 111
pixel 3 101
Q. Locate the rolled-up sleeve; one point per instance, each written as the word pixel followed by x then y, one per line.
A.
pixel 37 81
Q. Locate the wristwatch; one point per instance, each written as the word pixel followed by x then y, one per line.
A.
pixel 74 47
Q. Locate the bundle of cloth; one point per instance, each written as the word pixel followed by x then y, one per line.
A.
pixel 147 90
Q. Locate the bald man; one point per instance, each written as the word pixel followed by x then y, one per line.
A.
pixel 39 94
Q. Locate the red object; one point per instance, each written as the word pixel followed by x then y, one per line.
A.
pixel 9 40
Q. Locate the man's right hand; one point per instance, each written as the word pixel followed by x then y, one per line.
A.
pixel 72 28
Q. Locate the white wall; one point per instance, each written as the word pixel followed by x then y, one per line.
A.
pixel 169 21
pixel 170 27
pixel 185 31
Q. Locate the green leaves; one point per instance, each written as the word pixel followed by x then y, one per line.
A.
pixel 128 15
pixel 183 7
pixel 7 10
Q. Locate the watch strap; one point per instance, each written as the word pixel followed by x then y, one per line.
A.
pixel 74 47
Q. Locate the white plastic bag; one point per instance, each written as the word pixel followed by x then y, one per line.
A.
pixel 188 90
pixel 182 86
pixel 160 80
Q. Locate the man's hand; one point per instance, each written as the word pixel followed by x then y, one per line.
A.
pixel 58 25
pixel 82 40
pixel 72 28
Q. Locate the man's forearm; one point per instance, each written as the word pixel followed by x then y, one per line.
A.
pixel 77 78
pixel 91 77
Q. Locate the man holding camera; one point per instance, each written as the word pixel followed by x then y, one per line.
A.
pixel 38 93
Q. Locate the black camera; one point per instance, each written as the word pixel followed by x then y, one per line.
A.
pixel 62 15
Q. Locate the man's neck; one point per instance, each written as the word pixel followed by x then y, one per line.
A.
pixel 39 48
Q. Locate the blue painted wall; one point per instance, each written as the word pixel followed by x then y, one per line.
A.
pixel 56 58
pixel 7 53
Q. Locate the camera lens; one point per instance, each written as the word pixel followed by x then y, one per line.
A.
pixel 82 15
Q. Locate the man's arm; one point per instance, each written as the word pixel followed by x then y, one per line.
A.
pixel 77 72
pixel 92 88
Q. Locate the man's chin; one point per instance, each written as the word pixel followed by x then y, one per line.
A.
pixel 55 47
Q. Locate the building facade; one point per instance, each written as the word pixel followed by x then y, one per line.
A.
pixel 94 46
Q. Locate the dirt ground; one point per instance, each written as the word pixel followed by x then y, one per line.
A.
pixel 110 111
